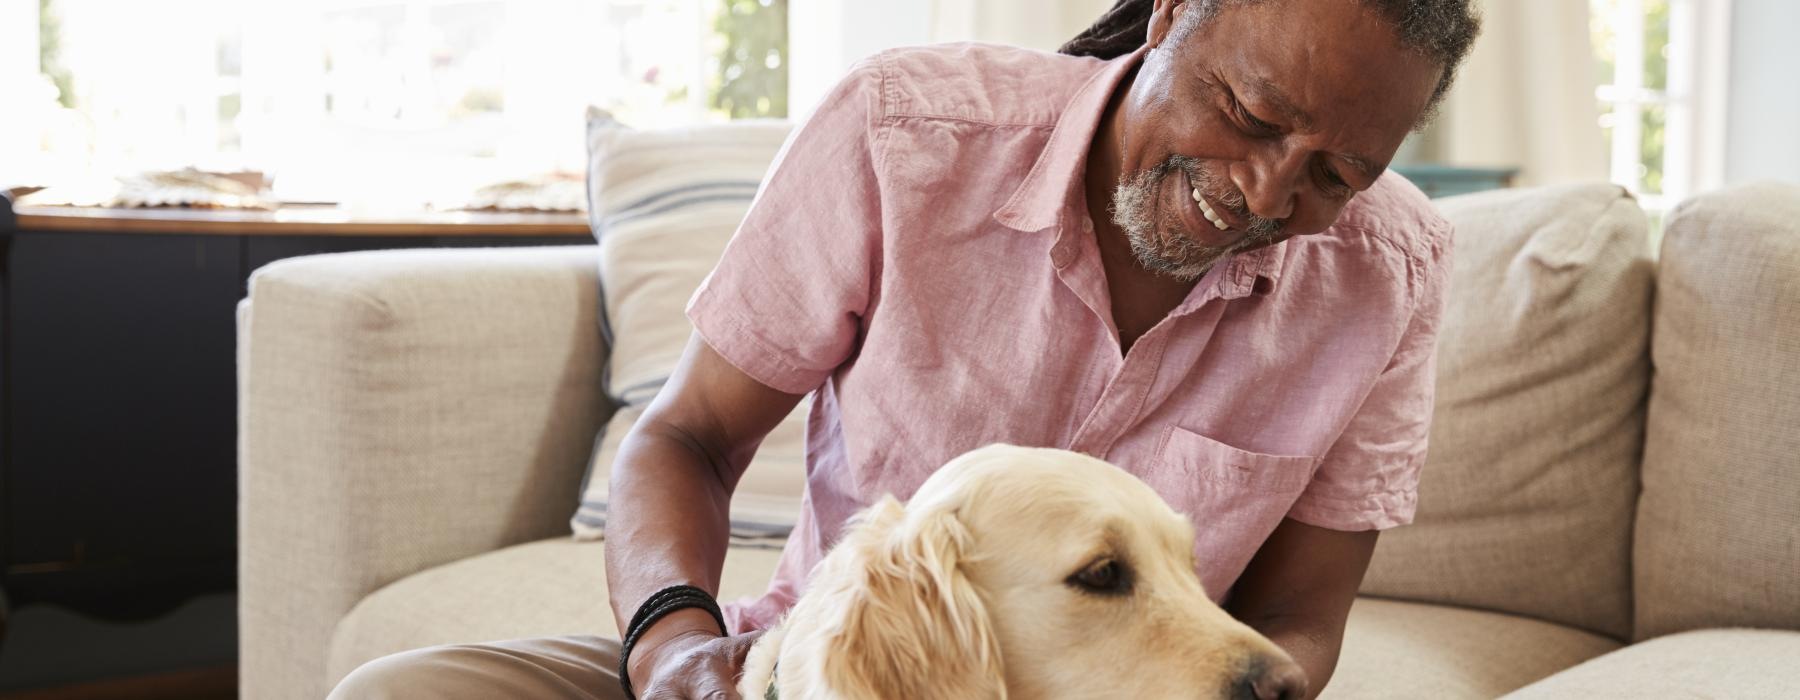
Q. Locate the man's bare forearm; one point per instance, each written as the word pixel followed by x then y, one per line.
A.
pixel 669 517
pixel 668 520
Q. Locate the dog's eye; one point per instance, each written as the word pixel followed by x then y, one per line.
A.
pixel 1104 576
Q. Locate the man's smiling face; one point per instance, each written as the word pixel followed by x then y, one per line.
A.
pixel 1253 121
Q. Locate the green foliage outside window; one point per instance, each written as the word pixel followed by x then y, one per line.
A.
pixel 752 74
pixel 1656 77
pixel 50 53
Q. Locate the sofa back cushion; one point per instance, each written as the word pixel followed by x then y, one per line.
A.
pixel 663 203
pixel 1718 528
pixel 1525 501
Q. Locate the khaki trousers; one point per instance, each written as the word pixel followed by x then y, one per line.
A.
pixel 584 667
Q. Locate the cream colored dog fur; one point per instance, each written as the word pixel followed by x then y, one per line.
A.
pixel 1016 573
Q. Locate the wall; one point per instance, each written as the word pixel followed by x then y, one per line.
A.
pixel 1763 140
pixel 1524 98
pixel 826 36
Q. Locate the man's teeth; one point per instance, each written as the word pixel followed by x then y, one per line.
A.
pixel 1211 215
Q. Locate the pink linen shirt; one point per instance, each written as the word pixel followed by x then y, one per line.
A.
pixel 921 257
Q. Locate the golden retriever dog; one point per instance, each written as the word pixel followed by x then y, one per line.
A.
pixel 1015 573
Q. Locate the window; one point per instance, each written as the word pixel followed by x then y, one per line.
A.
pixel 386 102
pixel 1662 94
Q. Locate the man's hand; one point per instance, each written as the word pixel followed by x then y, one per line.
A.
pixel 692 665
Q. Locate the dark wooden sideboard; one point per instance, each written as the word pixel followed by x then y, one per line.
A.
pixel 118 397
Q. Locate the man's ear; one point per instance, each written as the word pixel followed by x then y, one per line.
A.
pixel 1162 21
pixel 913 625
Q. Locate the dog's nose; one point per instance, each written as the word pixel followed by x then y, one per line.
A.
pixel 1273 678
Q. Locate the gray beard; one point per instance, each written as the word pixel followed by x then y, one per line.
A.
pixel 1158 242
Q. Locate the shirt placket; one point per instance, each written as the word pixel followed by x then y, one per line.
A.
pixel 1134 387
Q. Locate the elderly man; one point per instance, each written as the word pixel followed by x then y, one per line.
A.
pixel 1175 248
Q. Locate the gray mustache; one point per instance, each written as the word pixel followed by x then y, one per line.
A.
pixel 1222 192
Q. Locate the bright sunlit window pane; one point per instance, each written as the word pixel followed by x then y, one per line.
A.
pixel 1631 43
pixel 381 102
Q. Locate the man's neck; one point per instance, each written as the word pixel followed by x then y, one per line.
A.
pixel 1140 298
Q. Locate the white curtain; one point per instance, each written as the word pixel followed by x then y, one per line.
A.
pixel 1525 97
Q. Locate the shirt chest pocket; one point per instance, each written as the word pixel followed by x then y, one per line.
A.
pixel 1203 462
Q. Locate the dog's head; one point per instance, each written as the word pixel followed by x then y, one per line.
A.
pixel 1024 573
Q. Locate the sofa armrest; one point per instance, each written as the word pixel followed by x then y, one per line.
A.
pixel 400 410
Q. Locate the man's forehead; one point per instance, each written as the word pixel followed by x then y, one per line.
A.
pixel 1320 66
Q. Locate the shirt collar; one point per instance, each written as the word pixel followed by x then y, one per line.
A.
pixel 1038 202
pixel 1041 201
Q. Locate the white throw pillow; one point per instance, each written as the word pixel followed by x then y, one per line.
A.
pixel 663 203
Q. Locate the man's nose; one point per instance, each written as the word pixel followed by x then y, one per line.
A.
pixel 1270 182
pixel 1272 678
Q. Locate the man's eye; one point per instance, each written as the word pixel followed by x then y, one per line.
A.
pixel 1249 119
pixel 1334 183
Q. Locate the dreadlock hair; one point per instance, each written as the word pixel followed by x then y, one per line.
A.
pixel 1440 29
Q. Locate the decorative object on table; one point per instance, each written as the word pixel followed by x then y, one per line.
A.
pixel 555 192
pixel 180 189
pixel 13 194
pixel 192 189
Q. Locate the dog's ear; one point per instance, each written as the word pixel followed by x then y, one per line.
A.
pixel 913 625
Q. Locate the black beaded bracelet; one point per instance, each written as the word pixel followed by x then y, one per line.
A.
pixel 656 607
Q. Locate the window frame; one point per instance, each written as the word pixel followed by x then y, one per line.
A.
pixel 1693 101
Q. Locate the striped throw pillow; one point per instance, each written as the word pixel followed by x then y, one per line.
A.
pixel 663 203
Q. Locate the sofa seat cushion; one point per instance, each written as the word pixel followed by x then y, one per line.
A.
pixel 1714 663
pixel 1395 649
pixel 546 588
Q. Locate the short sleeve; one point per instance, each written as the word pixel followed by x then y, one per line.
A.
pixel 786 302
pixel 1369 479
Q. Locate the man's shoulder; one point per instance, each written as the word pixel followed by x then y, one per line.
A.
pixel 1397 212
pixel 1411 240
pixel 982 83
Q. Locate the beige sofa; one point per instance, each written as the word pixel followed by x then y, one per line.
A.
pixel 1604 510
